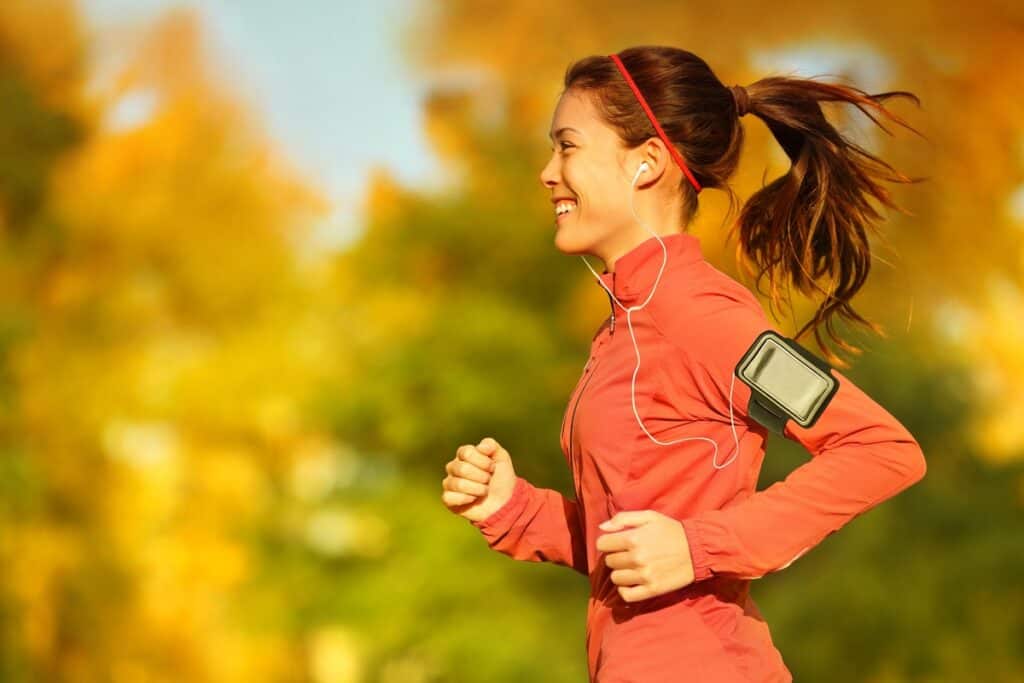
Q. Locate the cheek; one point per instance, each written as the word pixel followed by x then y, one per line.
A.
pixel 583 180
pixel 602 192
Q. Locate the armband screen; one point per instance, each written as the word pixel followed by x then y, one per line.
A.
pixel 786 382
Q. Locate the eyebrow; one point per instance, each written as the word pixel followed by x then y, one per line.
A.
pixel 562 130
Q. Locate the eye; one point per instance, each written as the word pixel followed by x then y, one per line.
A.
pixel 564 143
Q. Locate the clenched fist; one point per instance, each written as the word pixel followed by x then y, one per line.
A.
pixel 480 480
pixel 648 552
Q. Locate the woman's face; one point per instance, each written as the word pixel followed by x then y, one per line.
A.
pixel 589 166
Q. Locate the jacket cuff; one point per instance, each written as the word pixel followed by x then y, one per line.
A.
pixel 699 555
pixel 510 510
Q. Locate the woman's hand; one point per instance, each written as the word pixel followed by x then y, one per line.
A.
pixel 480 480
pixel 650 556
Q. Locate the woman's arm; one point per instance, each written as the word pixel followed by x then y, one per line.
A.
pixel 537 525
pixel 861 454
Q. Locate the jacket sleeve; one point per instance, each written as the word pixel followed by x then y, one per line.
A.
pixel 537 525
pixel 860 454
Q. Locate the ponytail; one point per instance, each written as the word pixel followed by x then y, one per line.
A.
pixel 813 221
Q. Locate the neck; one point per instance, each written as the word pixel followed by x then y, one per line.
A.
pixel 631 243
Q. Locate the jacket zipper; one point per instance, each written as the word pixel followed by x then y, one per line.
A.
pixel 586 368
pixel 611 303
pixel 589 372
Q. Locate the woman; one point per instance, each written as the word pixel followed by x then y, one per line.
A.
pixel 664 444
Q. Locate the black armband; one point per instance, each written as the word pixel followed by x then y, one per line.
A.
pixel 786 382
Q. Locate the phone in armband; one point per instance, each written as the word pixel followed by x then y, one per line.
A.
pixel 786 382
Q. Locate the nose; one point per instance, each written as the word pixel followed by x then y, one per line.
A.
pixel 548 178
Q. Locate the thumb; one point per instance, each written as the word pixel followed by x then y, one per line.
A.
pixel 624 519
pixel 488 446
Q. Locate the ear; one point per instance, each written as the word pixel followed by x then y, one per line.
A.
pixel 647 162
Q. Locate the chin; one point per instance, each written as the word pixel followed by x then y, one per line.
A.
pixel 568 242
pixel 565 244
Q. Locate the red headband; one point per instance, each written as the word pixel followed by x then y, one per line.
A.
pixel 657 127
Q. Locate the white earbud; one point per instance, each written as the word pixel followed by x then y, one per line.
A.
pixel 643 167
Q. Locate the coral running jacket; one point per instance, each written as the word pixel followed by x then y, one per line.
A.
pixel 691 334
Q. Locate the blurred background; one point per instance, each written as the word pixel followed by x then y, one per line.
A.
pixel 266 265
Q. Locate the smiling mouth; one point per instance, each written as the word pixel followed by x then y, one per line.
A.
pixel 559 215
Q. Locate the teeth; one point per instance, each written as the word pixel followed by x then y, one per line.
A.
pixel 564 207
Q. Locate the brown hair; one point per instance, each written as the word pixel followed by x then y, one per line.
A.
pixel 806 223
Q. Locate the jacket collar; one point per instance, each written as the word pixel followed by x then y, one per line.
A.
pixel 637 269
